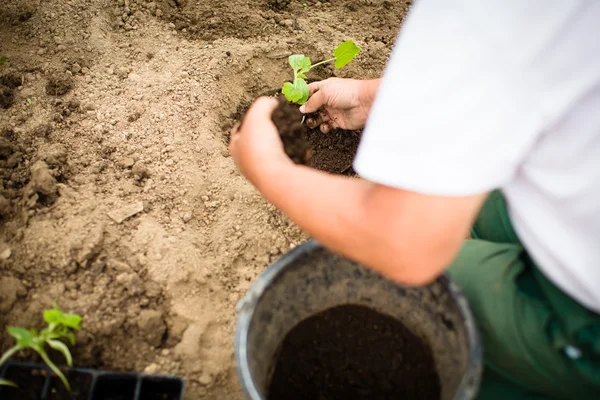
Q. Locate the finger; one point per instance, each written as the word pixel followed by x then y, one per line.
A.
pixel 315 121
pixel 316 101
pixel 314 86
pixel 234 130
pixel 262 107
pixel 233 142
pixel 325 128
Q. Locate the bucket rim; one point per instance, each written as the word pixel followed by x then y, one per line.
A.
pixel 469 383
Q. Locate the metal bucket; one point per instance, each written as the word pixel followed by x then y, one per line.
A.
pixel 310 279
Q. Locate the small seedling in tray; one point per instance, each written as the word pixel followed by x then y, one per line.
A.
pixel 60 326
pixel 297 90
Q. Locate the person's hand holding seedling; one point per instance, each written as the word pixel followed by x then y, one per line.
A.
pixel 340 103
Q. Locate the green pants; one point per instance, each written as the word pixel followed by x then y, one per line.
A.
pixel 538 342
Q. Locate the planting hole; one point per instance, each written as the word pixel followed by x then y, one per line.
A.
pixel 30 382
pixel 154 388
pixel 115 387
pixel 352 352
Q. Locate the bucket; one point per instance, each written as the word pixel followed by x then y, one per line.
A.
pixel 309 290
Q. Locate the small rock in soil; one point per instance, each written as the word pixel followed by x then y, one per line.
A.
pixel 5 254
pixel 127 162
pixel 151 369
pixel 205 379
pixel 152 326
pixel 121 214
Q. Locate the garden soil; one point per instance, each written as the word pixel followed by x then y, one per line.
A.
pixel 118 198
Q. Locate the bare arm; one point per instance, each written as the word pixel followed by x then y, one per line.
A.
pixel 407 236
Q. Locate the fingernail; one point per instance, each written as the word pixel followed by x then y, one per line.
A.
pixel 302 108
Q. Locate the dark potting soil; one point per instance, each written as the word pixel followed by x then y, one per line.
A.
pixel 331 152
pixel 288 120
pixel 30 382
pixel 351 352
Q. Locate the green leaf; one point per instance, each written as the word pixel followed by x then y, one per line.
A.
pixel 299 62
pixel 3 60
pixel 302 86
pixel 60 346
pixel 71 321
pixel 57 317
pixel 6 382
pixel 25 338
pixel 291 93
pixel 52 316
pixel 345 53
pixel 294 60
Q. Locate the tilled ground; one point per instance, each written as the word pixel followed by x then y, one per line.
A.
pixel 106 104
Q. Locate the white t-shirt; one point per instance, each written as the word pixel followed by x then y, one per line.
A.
pixel 488 94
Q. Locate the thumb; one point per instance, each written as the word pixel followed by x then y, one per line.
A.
pixel 316 101
pixel 262 107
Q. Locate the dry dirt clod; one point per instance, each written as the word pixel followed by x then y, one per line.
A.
pixel 42 180
pixel 10 289
pixel 4 206
pixel 59 84
pixel 140 171
pixel 152 326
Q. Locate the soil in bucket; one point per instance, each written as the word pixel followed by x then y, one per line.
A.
pixel 351 352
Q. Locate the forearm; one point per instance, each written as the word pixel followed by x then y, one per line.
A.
pixel 340 213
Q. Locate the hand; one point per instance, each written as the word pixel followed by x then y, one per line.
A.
pixel 342 103
pixel 255 146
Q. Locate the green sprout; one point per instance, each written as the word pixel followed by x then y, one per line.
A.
pixel 60 325
pixel 297 91
pixel 3 60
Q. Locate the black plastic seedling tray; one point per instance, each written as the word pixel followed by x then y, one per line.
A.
pixel 36 382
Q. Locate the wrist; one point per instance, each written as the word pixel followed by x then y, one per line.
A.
pixel 270 170
pixel 368 92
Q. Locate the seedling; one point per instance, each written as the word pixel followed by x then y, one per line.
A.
pixel 60 325
pixel 3 60
pixel 297 91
